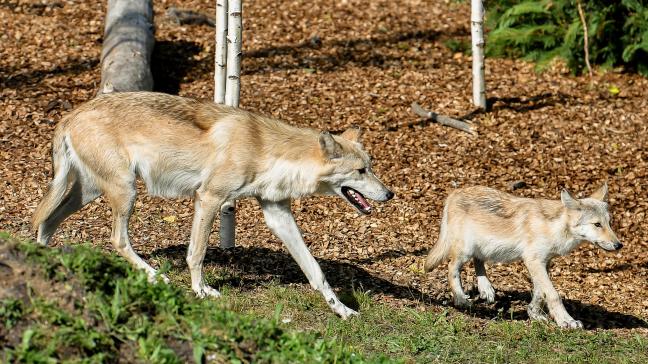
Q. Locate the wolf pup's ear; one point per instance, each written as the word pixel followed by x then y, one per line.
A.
pixel 601 194
pixel 353 134
pixel 569 201
pixel 330 147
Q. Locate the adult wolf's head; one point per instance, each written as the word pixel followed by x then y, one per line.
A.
pixel 349 172
pixel 589 218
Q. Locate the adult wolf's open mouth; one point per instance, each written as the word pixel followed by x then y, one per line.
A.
pixel 357 199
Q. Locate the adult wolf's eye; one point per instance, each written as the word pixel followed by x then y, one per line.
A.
pixel 597 224
pixel 362 170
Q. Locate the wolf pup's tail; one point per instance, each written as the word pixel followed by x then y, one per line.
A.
pixel 439 252
pixel 57 187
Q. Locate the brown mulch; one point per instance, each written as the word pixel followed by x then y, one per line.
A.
pixel 331 66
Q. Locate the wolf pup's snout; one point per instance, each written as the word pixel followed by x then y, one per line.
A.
pixel 618 245
pixel 389 195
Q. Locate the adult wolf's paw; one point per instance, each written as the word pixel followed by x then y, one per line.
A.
pixel 206 291
pixel 570 324
pixel 347 312
pixel 155 277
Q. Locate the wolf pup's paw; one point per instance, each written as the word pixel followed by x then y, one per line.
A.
pixel 570 324
pixel 536 314
pixel 462 300
pixel 487 293
pixel 206 291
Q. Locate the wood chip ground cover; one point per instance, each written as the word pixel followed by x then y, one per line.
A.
pixel 329 66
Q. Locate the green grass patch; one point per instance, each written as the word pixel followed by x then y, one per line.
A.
pixel 96 308
pixel 110 311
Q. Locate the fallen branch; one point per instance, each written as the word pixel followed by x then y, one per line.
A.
pixel 182 16
pixel 443 120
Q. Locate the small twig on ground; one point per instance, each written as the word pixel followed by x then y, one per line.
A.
pixel 443 120
pixel 615 131
pixel 585 38
pixel 182 16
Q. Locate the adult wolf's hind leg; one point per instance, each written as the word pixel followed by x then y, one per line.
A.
pixel 80 194
pixel 121 199
pixel 484 285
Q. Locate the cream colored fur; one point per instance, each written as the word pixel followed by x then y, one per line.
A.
pixel 484 224
pixel 184 147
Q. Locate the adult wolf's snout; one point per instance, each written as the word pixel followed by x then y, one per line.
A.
pixel 389 195
pixel 618 245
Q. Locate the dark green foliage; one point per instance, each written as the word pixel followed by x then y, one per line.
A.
pixel 542 30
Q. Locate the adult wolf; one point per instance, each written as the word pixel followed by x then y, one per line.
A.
pixel 183 147
pixel 488 225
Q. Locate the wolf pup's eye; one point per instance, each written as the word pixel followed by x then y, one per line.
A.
pixel 597 224
pixel 362 170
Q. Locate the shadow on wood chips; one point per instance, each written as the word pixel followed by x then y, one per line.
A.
pixel 362 52
pixel 171 61
pixel 263 265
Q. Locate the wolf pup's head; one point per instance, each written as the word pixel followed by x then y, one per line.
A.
pixel 349 173
pixel 589 218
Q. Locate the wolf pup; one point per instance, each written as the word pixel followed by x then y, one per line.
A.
pixel 488 225
pixel 213 153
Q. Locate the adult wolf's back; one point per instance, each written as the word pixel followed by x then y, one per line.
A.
pixel 183 147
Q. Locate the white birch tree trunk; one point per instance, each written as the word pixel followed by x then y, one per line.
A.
pixel 232 93
pixel 220 73
pixel 127 47
pixel 234 54
pixel 477 33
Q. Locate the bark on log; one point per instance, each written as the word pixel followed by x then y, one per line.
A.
pixel 443 120
pixel 127 47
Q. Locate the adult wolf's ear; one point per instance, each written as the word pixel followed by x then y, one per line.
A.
pixel 330 147
pixel 353 134
pixel 569 201
pixel 601 194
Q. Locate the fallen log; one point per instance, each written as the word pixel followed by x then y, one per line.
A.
pixel 185 16
pixel 127 47
pixel 443 120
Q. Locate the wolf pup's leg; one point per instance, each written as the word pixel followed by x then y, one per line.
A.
pixel 454 279
pixel 206 207
pixel 485 287
pixel 535 309
pixel 542 284
pixel 282 223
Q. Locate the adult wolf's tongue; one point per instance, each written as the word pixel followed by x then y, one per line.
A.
pixel 361 200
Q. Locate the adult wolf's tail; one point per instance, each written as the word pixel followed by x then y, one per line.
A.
pixel 440 251
pixel 58 185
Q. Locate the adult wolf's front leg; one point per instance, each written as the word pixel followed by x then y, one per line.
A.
pixel 280 220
